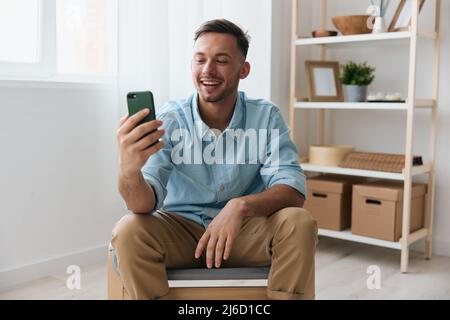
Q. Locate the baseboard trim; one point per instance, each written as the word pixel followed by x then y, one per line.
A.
pixel 438 248
pixel 10 278
pixel 441 248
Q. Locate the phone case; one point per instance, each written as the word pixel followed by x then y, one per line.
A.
pixel 138 101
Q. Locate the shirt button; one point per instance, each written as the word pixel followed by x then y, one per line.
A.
pixel 222 188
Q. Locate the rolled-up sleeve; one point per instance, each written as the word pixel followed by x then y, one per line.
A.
pixel 281 165
pixel 159 166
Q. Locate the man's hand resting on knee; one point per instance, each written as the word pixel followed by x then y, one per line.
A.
pixel 218 238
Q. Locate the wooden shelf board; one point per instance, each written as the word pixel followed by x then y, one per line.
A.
pixel 378 37
pixel 417 170
pixel 347 235
pixel 420 103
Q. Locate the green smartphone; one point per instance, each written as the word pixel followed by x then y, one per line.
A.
pixel 138 101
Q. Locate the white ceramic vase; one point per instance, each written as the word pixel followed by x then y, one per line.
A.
pixel 379 25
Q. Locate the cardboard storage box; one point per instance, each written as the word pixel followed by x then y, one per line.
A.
pixel 329 200
pixel 377 209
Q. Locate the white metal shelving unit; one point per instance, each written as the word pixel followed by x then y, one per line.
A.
pixel 408 39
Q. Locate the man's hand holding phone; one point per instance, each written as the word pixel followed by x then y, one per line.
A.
pixel 137 142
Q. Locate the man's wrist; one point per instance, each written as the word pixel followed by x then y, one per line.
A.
pixel 244 206
pixel 130 175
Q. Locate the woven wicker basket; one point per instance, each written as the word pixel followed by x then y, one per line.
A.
pixel 378 161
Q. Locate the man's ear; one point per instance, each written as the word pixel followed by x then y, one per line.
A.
pixel 245 70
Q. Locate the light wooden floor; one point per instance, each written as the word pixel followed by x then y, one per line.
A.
pixel 340 274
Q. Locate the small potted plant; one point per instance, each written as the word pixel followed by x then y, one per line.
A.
pixel 356 77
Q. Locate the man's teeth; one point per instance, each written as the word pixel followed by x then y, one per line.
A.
pixel 210 83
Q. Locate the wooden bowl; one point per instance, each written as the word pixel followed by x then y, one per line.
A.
pixel 354 24
pixel 328 155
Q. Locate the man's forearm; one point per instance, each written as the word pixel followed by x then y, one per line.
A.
pixel 265 203
pixel 136 192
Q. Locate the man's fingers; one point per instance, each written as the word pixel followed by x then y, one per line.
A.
pixel 123 119
pixel 143 129
pixel 201 244
pixel 148 140
pixel 210 251
pixel 132 121
pixel 228 246
pixel 219 251
pixel 153 149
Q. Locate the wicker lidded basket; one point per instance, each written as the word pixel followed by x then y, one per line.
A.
pixel 329 155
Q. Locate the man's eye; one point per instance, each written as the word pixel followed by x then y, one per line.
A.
pixel 199 61
pixel 222 61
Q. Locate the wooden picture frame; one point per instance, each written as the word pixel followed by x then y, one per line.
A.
pixel 402 15
pixel 323 81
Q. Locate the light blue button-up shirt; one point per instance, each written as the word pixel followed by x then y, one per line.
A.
pixel 199 169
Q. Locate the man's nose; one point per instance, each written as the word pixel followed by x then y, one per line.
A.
pixel 209 68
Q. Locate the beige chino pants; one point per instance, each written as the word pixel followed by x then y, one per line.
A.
pixel 147 245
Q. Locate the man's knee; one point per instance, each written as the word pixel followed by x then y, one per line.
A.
pixel 130 228
pixel 300 222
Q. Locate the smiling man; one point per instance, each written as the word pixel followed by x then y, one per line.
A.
pixel 222 187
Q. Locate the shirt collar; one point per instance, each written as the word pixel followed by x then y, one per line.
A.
pixel 237 120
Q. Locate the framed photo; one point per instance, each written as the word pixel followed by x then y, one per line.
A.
pixel 403 15
pixel 323 81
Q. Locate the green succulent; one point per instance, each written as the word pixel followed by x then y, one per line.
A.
pixel 359 74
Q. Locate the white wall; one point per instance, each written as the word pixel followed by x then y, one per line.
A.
pixel 58 177
pixel 281 66
pixel 142 42
pixel 384 131
pixel 156 42
pixel 280 62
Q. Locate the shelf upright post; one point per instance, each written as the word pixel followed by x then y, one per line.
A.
pixel 407 192
pixel 323 56
pixel 434 113
pixel 294 10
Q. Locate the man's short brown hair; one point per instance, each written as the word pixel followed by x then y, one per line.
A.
pixel 227 27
